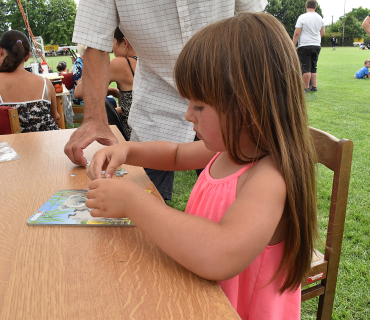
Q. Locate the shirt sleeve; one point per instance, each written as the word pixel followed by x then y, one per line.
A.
pixel 299 23
pixel 250 5
pixel 95 23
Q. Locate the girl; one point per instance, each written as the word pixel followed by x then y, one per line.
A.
pixel 251 218
pixel 32 95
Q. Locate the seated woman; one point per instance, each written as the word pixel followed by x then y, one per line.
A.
pixel 77 72
pixel 62 67
pixel 32 95
pixel 122 71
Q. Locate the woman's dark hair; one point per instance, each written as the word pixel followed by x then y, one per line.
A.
pixel 62 65
pixel 16 45
pixel 118 35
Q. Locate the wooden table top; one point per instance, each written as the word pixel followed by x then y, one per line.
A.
pixel 61 272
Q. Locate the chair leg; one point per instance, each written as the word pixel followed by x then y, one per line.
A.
pixel 326 302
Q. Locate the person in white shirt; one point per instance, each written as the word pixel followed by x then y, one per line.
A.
pixel 157 30
pixel 309 30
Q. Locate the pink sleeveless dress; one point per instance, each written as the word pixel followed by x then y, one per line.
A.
pixel 250 292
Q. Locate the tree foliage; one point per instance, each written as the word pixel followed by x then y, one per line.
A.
pixel 352 28
pixel 288 11
pixel 360 13
pixel 3 19
pixel 53 20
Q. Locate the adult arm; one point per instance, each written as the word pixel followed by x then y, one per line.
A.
pixel 78 90
pixel 297 34
pixel 53 99
pixel 366 25
pixel 322 31
pixel 95 124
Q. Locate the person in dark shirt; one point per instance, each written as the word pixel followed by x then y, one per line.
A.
pixel 333 41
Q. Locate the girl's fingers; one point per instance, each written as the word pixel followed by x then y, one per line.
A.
pixel 113 164
pixel 96 213
pixel 92 204
pixel 93 185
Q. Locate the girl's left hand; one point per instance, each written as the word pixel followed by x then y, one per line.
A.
pixel 114 198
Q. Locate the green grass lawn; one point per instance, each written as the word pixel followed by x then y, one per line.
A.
pixel 340 107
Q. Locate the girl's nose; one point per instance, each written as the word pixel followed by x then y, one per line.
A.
pixel 188 115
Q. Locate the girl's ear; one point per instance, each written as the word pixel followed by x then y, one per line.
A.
pixel 27 57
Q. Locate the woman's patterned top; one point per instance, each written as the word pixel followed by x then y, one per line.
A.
pixel 34 115
pixel 77 74
pixel 125 101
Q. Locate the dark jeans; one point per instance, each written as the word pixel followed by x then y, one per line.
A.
pixel 163 181
pixel 308 57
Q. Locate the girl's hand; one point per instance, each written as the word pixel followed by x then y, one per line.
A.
pixel 108 159
pixel 114 198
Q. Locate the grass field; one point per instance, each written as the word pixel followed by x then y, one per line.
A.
pixel 340 107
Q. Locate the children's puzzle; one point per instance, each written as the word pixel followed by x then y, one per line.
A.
pixel 67 208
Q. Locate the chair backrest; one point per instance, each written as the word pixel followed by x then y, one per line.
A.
pixel 114 118
pixel 9 120
pixel 337 156
pixel 68 80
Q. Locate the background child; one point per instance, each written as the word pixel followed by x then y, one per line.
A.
pixel 251 217
pixel 62 67
pixel 363 72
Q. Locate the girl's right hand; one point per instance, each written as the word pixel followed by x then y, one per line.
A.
pixel 108 159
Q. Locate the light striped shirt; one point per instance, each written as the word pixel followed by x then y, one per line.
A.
pixel 157 30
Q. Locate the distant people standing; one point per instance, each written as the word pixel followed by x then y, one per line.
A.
pixel 366 24
pixel 309 30
pixel 333 41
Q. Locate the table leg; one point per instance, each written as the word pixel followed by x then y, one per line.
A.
pixel 62 123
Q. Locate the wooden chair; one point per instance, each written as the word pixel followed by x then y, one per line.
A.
pixel 114 118
pixel 337 156
pixel 9 120
pixel 67 80
pixel 78 111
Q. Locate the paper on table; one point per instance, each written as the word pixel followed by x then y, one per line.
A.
pixel 7 153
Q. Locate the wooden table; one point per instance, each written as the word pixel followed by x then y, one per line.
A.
pixel 62 122
pixel 85 272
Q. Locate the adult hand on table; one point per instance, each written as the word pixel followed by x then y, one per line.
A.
pixel 88 132
pixel 95 125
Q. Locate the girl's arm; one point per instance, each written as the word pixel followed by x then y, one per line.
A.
pixel 160 155
pixel 215 251
pixel 53 99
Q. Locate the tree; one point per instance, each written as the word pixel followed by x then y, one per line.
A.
pixel 3 18
pixel 36 13
pixel 360 13
pixel 352 28
pixel 61 16
pixel 288 11
pixel 52 20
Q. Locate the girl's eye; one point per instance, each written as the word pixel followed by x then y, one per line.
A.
pixel 196 108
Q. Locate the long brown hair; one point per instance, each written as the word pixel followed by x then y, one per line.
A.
pixel 17 47
pixel 246 67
